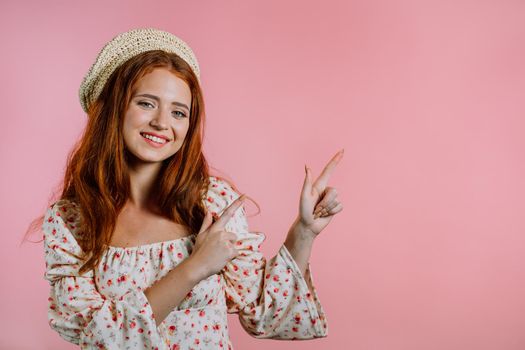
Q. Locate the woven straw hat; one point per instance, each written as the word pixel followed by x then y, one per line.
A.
pixel 124 46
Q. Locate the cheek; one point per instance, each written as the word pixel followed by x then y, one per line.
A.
pixel 181 130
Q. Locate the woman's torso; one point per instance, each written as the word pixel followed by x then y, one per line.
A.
pixel 144 249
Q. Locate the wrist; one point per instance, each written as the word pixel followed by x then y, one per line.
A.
pixel 299 237
pixel 301 231
pixel 195 270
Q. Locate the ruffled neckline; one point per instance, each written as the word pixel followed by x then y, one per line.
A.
pixel 152 245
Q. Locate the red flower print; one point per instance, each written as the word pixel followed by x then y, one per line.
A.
pixel 297 318
pixel 187 311
pixel 276 278
pixel 197 341
pixel 202 313
pixel 132 324
pixel 205 327
pixel 140 330
pixel 295 329
pixel 179 255
pixel 109 283
pixel 210 199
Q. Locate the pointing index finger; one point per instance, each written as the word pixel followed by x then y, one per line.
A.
pixel 228 212
pixel 322 181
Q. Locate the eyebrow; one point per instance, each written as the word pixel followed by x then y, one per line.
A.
pixel 158 99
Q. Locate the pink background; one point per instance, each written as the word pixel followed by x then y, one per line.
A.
pixel 426 97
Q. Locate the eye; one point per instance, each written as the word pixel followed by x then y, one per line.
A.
pixel 142 103
pixel 181 114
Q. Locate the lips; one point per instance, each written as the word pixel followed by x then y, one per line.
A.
pixel 156 135
pixel 154 141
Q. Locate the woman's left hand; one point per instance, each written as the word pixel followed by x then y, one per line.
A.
pixel 319 203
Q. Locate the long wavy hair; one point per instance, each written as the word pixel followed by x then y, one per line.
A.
pixel 97 175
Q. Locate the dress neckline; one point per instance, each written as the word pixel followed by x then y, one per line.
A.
pixel 151 245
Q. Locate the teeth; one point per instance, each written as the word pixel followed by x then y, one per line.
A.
pixel 154 138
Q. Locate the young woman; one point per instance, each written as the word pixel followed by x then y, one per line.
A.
pixel 144 248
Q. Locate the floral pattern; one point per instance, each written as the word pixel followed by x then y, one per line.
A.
pixel 107 309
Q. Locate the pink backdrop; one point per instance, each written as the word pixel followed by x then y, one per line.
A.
pixel 426 97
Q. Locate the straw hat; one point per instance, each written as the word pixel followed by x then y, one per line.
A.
pixel 124 46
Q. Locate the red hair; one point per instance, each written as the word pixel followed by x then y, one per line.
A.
pixel 97 178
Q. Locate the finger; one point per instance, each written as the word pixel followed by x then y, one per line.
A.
pixel 235 253
pixel 230 236
pixel 228 213
pixel 329 196
pixel 327 209
pixel 322 180
pixel 307 184
pixel 328 205
pixel 334 211
pixel 206 222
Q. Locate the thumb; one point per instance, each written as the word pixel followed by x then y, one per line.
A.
pixel 206 223
pixel 307 185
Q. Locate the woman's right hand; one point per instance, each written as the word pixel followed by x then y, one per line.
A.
pixel 214 246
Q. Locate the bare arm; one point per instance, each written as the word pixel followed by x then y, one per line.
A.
pixel 169 291
pixel 299 243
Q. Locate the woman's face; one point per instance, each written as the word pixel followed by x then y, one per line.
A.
pixel 157 118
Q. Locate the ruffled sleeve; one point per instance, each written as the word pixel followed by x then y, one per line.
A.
pixel 76 310
pixel 273 298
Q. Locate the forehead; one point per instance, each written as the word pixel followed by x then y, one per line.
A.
pixel 164 84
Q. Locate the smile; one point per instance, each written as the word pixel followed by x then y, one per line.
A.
pixel 154 140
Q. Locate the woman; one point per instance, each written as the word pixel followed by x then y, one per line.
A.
pixel 134 257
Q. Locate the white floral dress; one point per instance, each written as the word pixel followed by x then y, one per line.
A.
pixel 107 309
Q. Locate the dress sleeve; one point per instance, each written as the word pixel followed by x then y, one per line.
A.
pixel 76 310
pixel 273 298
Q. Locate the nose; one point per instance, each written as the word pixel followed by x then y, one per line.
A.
pixel 160 119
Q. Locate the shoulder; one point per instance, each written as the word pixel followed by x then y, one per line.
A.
pixel 221 193
pixel 62 215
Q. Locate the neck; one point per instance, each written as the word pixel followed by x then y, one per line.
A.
pixel 142 177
